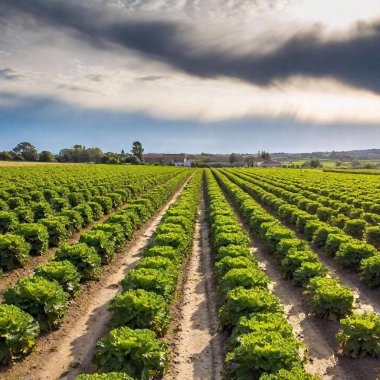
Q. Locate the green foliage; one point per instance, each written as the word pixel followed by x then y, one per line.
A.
pixel 105 202
pixel 14 251
pixel 247 278
pixel 329 298
pixel 139 309
pixel 350 254
pixel 151 280
pixel 355 228
pixel 103 243
pixel 105 376
pixel 372 236
pixel 41 210
pixel 85 212
pixel 370 271
pixel 84 258
pixel 232 250
pixel 261 352
pixel 75 221
pixel 163 251
pixel 240 302
pixel 136 352
pixel 97 210
pixel 117 233
pixel 18 332
pixel 42 299
pixel 8 221
pixel 334 241
pixel 360 334
pixel 56 229
pixel 64 272
pixel 294 259
pixel 36 235
pixel 160 263
pixel 24 214
pixel 228 262
pixel 224 239
pixel 124 222
pixel 296 373
pixel 307 271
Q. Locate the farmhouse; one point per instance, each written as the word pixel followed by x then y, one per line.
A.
pixel 259 162
pixel 179 159
pixel 271 164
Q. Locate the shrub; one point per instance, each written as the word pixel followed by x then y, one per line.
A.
pixel 136 352
pixel 233 251
pixel 355 228
pixel 370 271
pixel 85 212
pixel 75 220
pixel 359 335
pixel 41 210
pixel 124 222
pixel 115 231
pixel 36 235
pixel 102 242
pixel 83 257
pixel 350 254
pixel 240 301
pixel 139 309
pixel 42 299
pixel 243 277
pixel 151 280
pixel 64 272
pixel 162 251
pixel 262 352
pixel 8 221
pixel 229 262
pixel 18 332
pixel 307 271
pixel 372 236
pixel 14 251
pixel 294 259
pixel 56 230
pixel 329 298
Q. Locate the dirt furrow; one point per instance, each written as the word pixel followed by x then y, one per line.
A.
pixel 67 352
pixel 198 345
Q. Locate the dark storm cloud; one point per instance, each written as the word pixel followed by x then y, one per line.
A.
pixel 354 60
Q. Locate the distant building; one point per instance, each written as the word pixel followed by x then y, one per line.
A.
pixel 271 164
pixel 179 159
pixel 259 162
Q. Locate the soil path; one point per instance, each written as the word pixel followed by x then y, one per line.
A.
pixel 67 352
pixel 318 334
pixel 198 345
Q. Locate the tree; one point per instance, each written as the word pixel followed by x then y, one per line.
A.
pixel 122 152
pixel 27 151
pixel 5 156
pixel 137 150
pixel 46 156
pixel 265 155
pixel 233 158
pixel 134 160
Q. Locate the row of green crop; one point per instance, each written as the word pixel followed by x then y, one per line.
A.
pixel 359 334
pixel 140 313
pixel 359 221
pixel 261 343
pixel 39 302
pixel 348 251
pixel 24 239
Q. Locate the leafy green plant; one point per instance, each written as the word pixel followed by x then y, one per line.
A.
pixel 105 376
pixel 18 332
pixel 140 309
pixel 350 254
pixel 355 228
pixel 151 280
pixel 105 202
pixel 334 241
pixel 56 229
pixel 136 352
pixel 24 214
pixel 360 334
pixel 261 352
pixel 14 251
pixel 307 271
pixel 232 250
pixel 64 272
pixel 372 235
pixel 329 298
pixel 163 251
pixel 85 212
pixel 102 242
pixel 75 220
pixel 240 302
pixel 8 221
pixel 228 262
pixel 296 373
pixel 370 271
pixel 36 235
pixel 294 259
pixel 226 238
pixel 243 277
pixel 116 232
pixel 41 210
pixel 160 263
pixel 84 258
pixel 97 210
pixel 124 222
pixel 42 299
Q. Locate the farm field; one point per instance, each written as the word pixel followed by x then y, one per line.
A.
pixel 148 272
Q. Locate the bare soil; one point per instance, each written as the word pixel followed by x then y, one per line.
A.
pixel 67 352
pixel 324 358
pixel 197 345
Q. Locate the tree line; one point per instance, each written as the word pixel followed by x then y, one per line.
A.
pixel 25 151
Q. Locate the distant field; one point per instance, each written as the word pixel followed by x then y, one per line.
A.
pixel 22 163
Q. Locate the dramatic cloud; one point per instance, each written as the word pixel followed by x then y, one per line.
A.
pixel 353 59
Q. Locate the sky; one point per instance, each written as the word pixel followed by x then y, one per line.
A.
pixel 190 75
